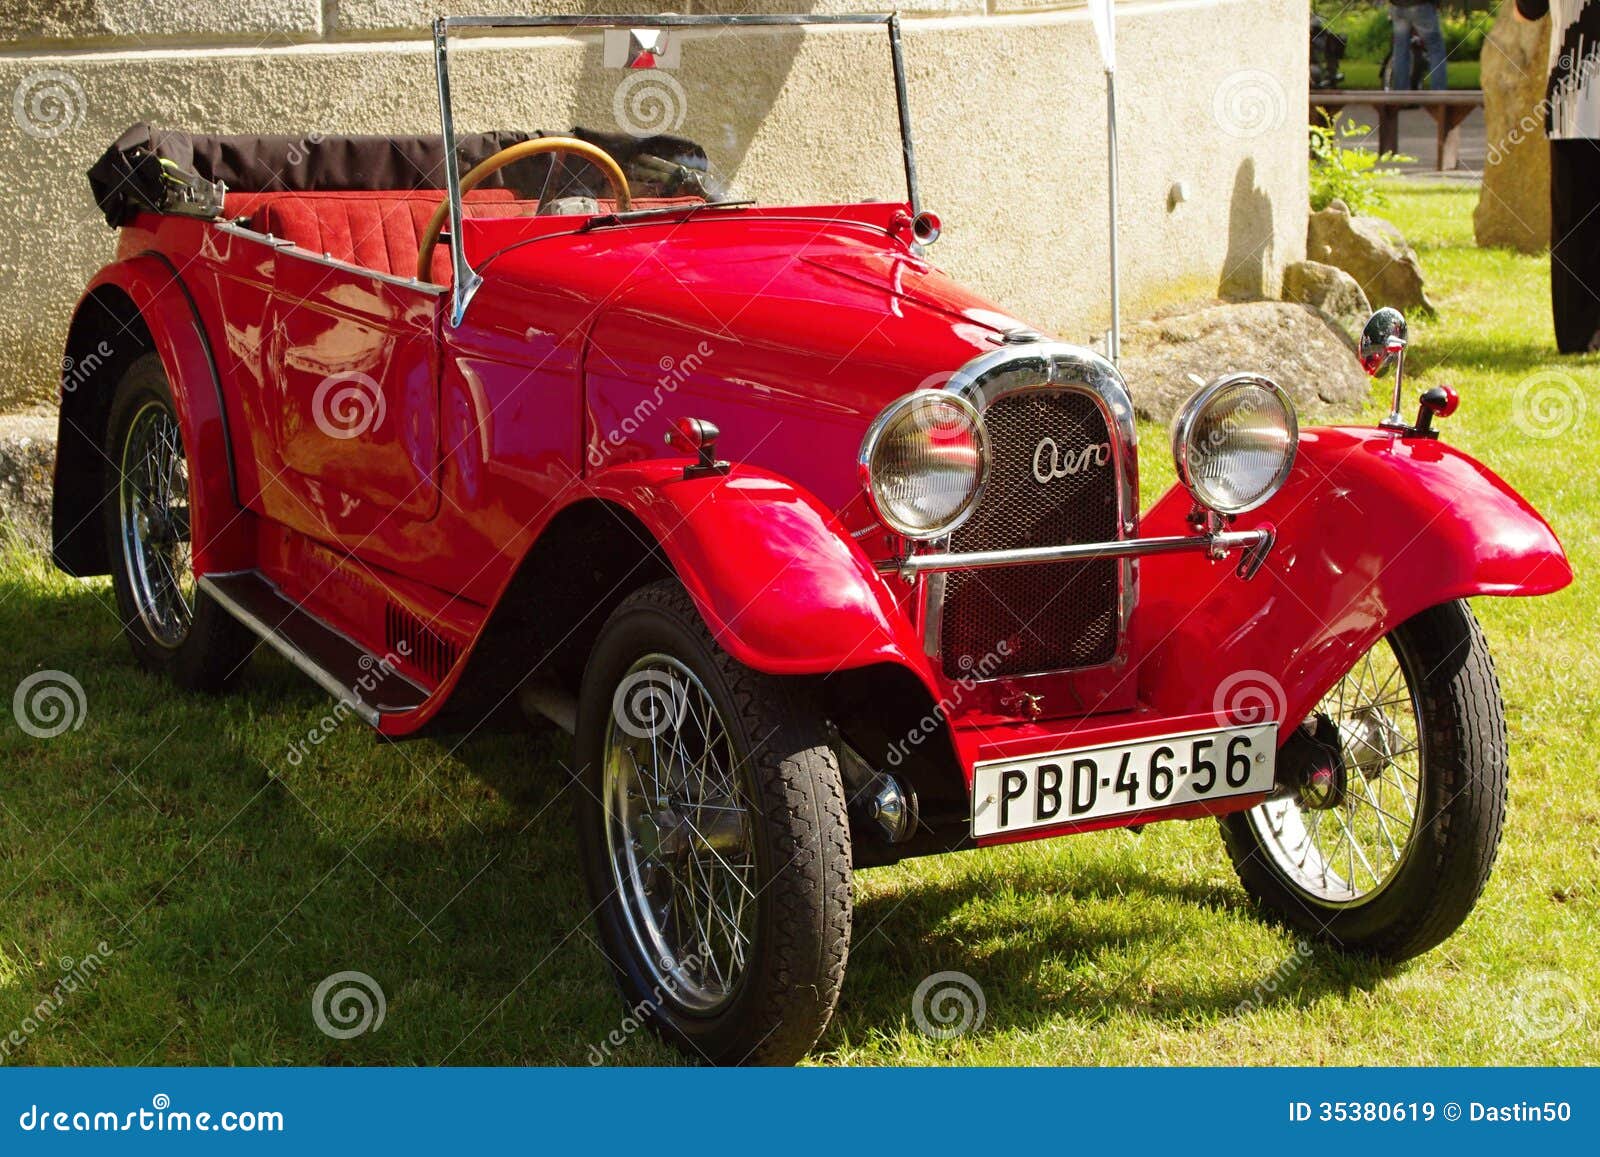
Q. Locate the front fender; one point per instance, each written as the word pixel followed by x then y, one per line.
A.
pixel 781 585
pixel 1372 529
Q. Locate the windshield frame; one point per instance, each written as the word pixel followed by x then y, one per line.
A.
pixel 465 280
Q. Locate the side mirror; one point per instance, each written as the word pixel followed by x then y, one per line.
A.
pixel 1383 340
pixel 1383 343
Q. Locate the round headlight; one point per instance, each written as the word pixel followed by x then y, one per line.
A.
pixel 923 463
pixel 1234 442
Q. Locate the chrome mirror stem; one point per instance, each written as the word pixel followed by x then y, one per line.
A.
pixel 1397 350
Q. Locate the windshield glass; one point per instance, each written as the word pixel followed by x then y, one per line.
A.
pixel 778 115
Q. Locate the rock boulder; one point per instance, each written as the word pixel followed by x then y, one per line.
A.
pixel 27 464
pixel 1514 204
pixel 1290 343
pixel 1329 289
pixel 1373 252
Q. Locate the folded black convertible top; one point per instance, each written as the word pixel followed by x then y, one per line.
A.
pixel 164 171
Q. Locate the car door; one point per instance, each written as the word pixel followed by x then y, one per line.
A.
pixel 351 372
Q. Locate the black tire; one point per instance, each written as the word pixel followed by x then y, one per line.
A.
pixel 214 648
pixel 795 963
pixel 1456 833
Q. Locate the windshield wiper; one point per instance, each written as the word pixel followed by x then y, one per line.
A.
pixel 633 215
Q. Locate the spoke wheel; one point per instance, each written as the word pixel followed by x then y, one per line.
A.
pixel 150 530
pixel 1386 852
pixel 678 835
pixel 713 838
pixel 153 502
pixel 1343 842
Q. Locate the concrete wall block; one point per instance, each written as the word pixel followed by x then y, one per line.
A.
pixel 389 15
pixel 135 23
pixel 1008 6
pixel 350 17
pixel 907 8
pixel 1009 118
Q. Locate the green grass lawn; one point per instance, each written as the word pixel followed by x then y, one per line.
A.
pixel 227 878
pixel 1369 74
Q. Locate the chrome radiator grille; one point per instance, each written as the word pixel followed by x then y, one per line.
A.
pixel 1050 617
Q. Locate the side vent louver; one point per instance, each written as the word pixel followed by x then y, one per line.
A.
pixel 424 648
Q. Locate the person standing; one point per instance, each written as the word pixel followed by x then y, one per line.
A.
pixel 1572 121
pixel 1422 17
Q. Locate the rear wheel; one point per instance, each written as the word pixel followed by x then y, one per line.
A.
pixel 173 627
pixel 714 839
pixel 1387 852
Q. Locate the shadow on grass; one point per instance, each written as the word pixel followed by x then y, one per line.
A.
pixel 1519 360
pixel 233 878
pixel 1094 945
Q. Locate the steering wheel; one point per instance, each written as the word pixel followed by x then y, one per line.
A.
pixel 595 155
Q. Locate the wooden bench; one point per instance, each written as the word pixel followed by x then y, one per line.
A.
pixel 1448 109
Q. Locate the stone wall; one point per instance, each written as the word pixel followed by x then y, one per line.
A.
pixel 1008 106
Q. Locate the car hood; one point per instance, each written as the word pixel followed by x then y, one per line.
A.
pixel 797 282
pixel 790 333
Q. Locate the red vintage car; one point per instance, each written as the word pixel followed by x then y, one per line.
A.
pixel 825 560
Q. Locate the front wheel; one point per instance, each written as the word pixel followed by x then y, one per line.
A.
pixel 1387 851
pixel 714 840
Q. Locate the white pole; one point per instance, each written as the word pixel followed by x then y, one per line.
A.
pixel 1102 13
pixel 1115 341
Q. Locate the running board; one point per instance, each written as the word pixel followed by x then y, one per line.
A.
pixel 338 664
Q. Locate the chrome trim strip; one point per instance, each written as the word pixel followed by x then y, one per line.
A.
pixel 902 103
pixel 319 675
pixel 234 229
pixel 464 279
pixel 1218 544
pixel 290 249
pixel 664 20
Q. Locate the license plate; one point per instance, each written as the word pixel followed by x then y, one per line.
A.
pixel 1013 795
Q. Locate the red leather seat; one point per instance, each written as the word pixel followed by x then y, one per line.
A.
pixel 379 230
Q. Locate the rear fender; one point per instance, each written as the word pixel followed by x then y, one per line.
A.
pixel 1371 530
pixel 129 308
pixel 781 585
